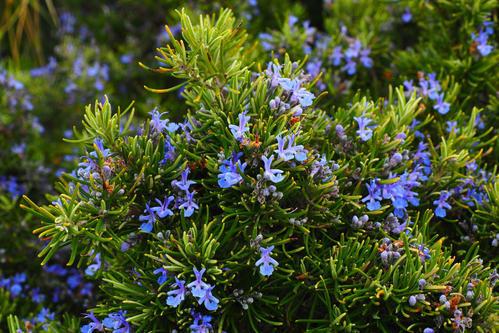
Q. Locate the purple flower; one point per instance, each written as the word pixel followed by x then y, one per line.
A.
pixel 441 106
pixel 162 210
pixel 292 151
pixel 150 219
pixel 452 127
pixel 201 324
pixel 44 316
pixel 184 183
pixel 95 325
pixel 158 125
pixel 406 16
pixel 353 50
pixel 117 322
pixel 176 296
pixel 374 196
pixel 481 40
pixel 336 56
pixel 442 204
pixel 266 262
pixel 273 71
pixel 210 302
pixel 366 61
pixel 428 330
pixel 198 286
pixel 169 151
pixel 350 67
pixel 364 132
pixel 189 205
pixel 297 94
pixel 274 175
pixel 239 131
pixel 92 269
pixel 229 169
pixel 162 275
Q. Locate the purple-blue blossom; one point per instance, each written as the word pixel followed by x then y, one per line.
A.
pixel 210 302
pixel 93 268
pixel 201 323
pixel 291 151
pixel 176 296
pixel 274 175
pixel 441 106
pixel 441 204
pixel 365 131
pixel 95 325
pixel 184 183
pixel 407 16
pixel 240 130
pixel 162 210
pixel 229 171
pixel 188 204
pixel 197 286
pixel 374 196
pixel 149 218
pixel 266 262
pixel 163 275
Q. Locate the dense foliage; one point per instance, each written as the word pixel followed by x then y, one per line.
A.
pixel 319 170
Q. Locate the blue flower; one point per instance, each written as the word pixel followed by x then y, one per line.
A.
pixel 117 322
pixel 353 50
pixel 163 277
pixel 44 316
pixel 481 41
pixel 184 183
pixel 297 94
pixel 230 169
pixel 150 219
pixel 452 127
pixel 189 205
pixel 364 132
pixel 92 269
pixel 198 286
pixel 442 204
pixel 239 131
pixel 374 196
pixel 274 175
pixel 176 296
pixel 336 56
pixel 169 149
pixel 407 16
pixel 365 60
pixel 162 210
pixel 441 106
pixel 202 324
pixel 210 302
pixel 292 151
pixel 350 67
pixel 95 325
pixel 273 71
pixel 159 125
pixel 266 262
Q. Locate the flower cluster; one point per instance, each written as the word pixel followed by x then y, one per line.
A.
pixel 429 87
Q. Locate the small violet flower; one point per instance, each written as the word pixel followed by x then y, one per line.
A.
pixel 274 175
pixel 266 262
pixel 176 296
pixel 442 204
pixel 239 131
pixel 364 132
